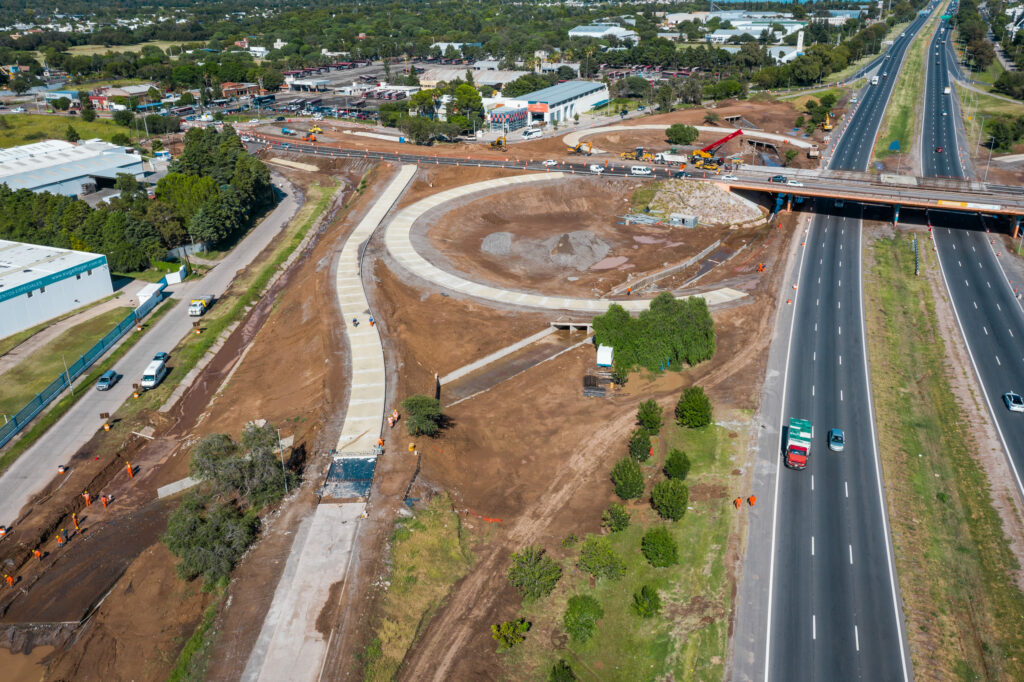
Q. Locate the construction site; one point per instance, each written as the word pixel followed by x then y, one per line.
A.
pixel 477 285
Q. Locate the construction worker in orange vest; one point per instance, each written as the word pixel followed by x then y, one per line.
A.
pixel 37 554
pixel 10 580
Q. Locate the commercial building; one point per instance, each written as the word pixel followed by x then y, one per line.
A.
pixel 495 78
pixel 508 118
pixel 229 89
pixel 560 103
pixel 604 31
pixel 68 169
pixel 38 283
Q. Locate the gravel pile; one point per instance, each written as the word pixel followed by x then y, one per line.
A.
pixel 497 243
pixel 710 203
pixel 576 250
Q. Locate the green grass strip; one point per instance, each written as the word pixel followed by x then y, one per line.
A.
pixel 191 663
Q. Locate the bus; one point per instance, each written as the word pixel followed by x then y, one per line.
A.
pixel 263 100
pixel 182 111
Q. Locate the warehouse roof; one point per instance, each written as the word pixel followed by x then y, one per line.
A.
pixel 562 92
pixel 28 266
pixel 47 163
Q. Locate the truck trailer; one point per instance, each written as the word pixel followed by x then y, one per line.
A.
pixel 798 443
pixel 665 157
pixel 199 306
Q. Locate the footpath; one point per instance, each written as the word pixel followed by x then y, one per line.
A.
pixel 290 646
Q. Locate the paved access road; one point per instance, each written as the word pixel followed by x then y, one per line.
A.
pixel 832 609
pixel 987 310
pixel 38 465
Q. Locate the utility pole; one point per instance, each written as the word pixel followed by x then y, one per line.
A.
pixel 991 143
pixel 68 374
pixel 283 471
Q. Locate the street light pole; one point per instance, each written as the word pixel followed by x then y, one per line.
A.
pixel 991 144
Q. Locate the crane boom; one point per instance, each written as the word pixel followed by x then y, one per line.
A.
pixel 710 149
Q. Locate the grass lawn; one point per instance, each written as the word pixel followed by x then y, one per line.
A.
pixel 799 101
pixel 981 108
pixel 153 274
pixel 21 383
pixel 25 128
pixel 15 340
pixel 689 639
pixel 643 195
pixel 956 571
pixel 88 50
pixel 428 556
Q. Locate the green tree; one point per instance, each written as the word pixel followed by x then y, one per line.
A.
pixel 510 633
pixel 562 672
pixel 208 538
pixel 88 114
pixel 533 573
pixel 659 547
pixel 790 155
pixel 670 498
pixel 615 518
pixel 711 118
pixel 252 468
pixel 124 118
pixel 677 464
pixel 423 416
pixel 581 615
pixel 694 408
pixel 599 559
pixel 666 97
pixel 640 445
pixel 628 479
pixel 19 86
pixel 70 134
pixel 649 416
pixel 679 133
pixel 186 99
pixel 646 602
pixel 61 104
pixel 120 139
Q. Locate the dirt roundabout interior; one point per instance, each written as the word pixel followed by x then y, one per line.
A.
pixel 566 236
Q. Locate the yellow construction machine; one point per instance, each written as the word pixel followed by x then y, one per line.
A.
pixel 316 129
pixel 578 149
pixel 499 144
pixel 827 123
pixel 637 154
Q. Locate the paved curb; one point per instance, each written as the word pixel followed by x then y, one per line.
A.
pixel 572 139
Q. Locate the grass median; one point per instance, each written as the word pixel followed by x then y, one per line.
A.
pixel 51 417
pixel 962 606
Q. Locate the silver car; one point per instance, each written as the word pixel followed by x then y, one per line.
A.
pixel 1014 403
pixel 836 440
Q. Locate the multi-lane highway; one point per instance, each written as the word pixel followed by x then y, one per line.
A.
pixel 988 312
pixel 834 610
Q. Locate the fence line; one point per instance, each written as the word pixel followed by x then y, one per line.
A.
pixel 77 368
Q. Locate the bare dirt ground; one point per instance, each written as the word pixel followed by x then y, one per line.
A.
pixel 163 612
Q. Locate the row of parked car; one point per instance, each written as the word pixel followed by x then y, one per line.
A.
pixel 151 377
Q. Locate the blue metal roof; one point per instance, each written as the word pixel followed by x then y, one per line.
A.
pixel 557 94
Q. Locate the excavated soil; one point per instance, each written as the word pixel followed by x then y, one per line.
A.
pixel 563 237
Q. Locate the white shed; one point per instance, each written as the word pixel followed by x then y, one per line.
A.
pixel 604 356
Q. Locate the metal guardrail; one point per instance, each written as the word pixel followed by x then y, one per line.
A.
pixel 76 369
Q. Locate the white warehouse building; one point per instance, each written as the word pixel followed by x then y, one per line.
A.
pixel 560 103
pixel 63 168
pixel 38 283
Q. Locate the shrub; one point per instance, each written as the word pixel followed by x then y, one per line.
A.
pixel 124 118
pixel 252 467
pixel 88 114
pixel 509 633
pixel 615 518
pixel 120 139
pixel 562 672
pixel 628 479
pixel 694 408
pixel 581 616
pixel 659 547
pixel 677 464
pixel 640 445
pixel 670 498
pixel 71 135
pixel 533 573
pixel 423 416
pixel 208 538
pixel 679 133
pixel 599 559
pixel 649 416
pixel 646 602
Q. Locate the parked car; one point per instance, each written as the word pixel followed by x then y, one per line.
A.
pixel 682 174
pixel 549 162
pixel 162 357
pixel 596 169
pixel 1014 403
pixel 106 380
pixel 836 440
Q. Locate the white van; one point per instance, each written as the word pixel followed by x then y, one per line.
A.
pixel 596 169
pixel 640 170
pixel 154 374
pixel 531 133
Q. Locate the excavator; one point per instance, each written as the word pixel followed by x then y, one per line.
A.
pixel 827 123
pixel 705 158
pixel 316 129
pixel 578 149
pixel 637 155
pixel 500 144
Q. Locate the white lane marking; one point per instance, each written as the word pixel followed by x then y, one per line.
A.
pixel 814 626
pixel 975 305
pixel 997 361
pixel 851 554
pixel 840 359
pixel 814 356
pixel 819 280
pixel 999 307
pixel 840 263
pixel 989 284
pixel 1011 332
pixel 959 264
pixel 812 390
pixel 812 481
pixel 856 637
pixel 846 488
pixel 840 330
pixel 815 326
pixel 817 301
pixel 984 329
pixel 812 545
pixel 840 394
pixel 839 304
pixel 840 283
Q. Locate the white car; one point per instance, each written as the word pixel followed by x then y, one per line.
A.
pixel 254 120
pixel 549 162
pixel 640 170
pixel 18 110
pixel 730 176
pixel 795 183
pixel 1014 403
pixel 596 169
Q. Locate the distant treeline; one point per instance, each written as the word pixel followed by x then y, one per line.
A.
pixel 211 194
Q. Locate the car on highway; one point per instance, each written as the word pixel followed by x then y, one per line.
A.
pixel 836 440
pixel 640 170
pixel 162 357
pixel 596 169
pixel 795 183
pixel 778 178
pixel 682 174
pixel 106 380
pixel 938 150
pixel 549 162
pixel 885 75
pixel 254 120
pixel 18 110
pixel 945 113
pixel 1014 403
pixel 730 176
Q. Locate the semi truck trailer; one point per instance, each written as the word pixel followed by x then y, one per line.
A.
pixel 798 443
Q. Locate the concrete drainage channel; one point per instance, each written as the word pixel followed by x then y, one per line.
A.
pixel 512 360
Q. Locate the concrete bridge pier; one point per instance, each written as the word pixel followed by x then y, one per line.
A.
pixel 895 214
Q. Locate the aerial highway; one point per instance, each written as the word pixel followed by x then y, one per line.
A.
pixel 988 312
pixel 834 610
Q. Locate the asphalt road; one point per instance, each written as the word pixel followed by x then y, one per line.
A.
pixel 834 608
pixel 988 312
pixel 34 469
